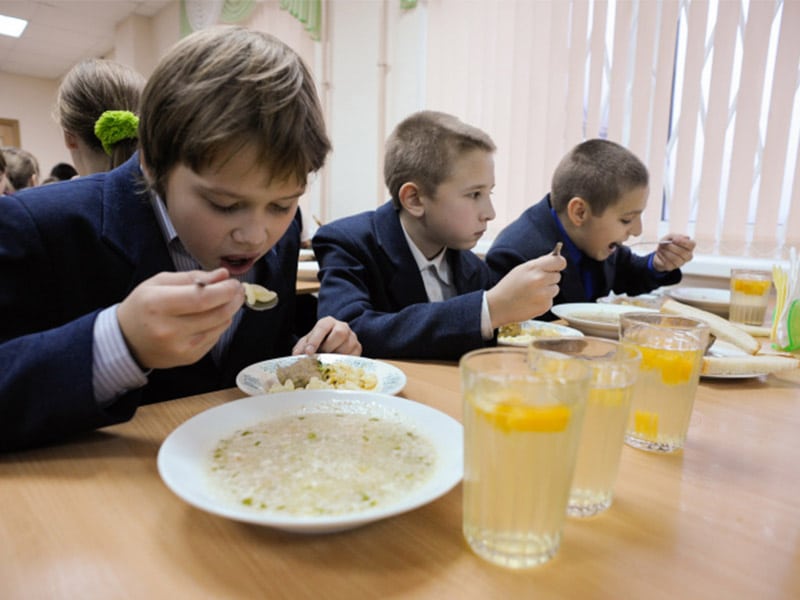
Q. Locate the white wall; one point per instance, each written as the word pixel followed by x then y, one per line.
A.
pixel 354 85
pixel 374 80
pixel 406 42
pixel 30 101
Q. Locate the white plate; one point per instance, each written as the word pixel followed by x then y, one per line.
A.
pixel 307 270
pixel 306 254
pixel 591 318
pixel 391 380
pixel 533 329
pixel 184 459
pixel 723 348
pixel 710 299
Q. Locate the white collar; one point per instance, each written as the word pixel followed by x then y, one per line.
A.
pixel 438 262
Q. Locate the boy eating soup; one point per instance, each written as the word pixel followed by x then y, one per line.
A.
pixel 126 287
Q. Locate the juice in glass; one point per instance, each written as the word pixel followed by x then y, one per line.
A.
pixel 663 396
pixel 522 423
pixel 749 295
pixel 614 370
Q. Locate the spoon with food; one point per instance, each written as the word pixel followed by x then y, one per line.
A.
pixel 257 297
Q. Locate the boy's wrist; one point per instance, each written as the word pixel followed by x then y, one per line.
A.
pixel 651 266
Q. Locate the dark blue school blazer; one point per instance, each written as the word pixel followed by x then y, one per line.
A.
pixel 69 250
pixel 369 278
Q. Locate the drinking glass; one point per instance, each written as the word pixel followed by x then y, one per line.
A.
pixel 522 422
pixel 749 295
pixel 614 370
pixel 672 350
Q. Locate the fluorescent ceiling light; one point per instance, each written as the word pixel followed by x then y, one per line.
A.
pixel 12 26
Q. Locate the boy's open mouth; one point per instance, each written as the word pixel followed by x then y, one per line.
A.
pixel 237 265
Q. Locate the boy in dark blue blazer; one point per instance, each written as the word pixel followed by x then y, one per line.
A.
pixel 598 194
pixel 403 275
pixel 124 288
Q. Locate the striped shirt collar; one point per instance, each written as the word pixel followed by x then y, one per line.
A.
pixel 181 258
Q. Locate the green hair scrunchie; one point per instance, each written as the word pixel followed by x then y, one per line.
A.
pixel 116 125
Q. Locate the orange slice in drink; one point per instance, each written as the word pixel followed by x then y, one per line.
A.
pixel 676 366
pixel 512 415
pixel 646 424
pixel 751 287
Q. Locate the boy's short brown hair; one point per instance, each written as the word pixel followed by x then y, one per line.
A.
pixel 600 172
pixel 224 88
pixel 423 147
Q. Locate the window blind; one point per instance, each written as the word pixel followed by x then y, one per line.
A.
pixel 706 93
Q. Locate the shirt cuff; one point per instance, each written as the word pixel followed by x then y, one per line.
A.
pixel 487 333
pixel 657 274
pixel 114 371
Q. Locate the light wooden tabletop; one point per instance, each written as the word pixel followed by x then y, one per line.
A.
pixel 305 286
pixel 721 519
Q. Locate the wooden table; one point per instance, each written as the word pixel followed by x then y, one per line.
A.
pixel 721 519
pixel 306 287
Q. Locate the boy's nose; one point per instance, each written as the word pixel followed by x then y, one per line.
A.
pixel 489 213
pixel 250 233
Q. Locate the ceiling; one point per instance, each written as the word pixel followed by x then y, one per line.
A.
pixel 62 32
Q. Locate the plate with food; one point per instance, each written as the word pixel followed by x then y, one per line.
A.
pixel 320 371
pixel 313 461
pixel 646 300
pixel 724 360
pixel 713 300
pixel 591 318
pixel 521 334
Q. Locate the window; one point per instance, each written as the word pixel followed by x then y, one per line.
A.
pixel 706 93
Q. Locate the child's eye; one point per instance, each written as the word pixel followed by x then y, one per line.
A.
pixel 225 209
pixel 626 221
pixel 280 210
pixel 211 200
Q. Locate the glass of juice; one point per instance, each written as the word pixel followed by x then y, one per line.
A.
pixel 522 420
pixel 614 369
pixel 672 350
pixel 749 295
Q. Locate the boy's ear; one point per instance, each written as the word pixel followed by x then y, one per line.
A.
pixel 578 211
pixel 411 200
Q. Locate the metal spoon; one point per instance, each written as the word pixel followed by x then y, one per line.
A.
pixel 645 243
